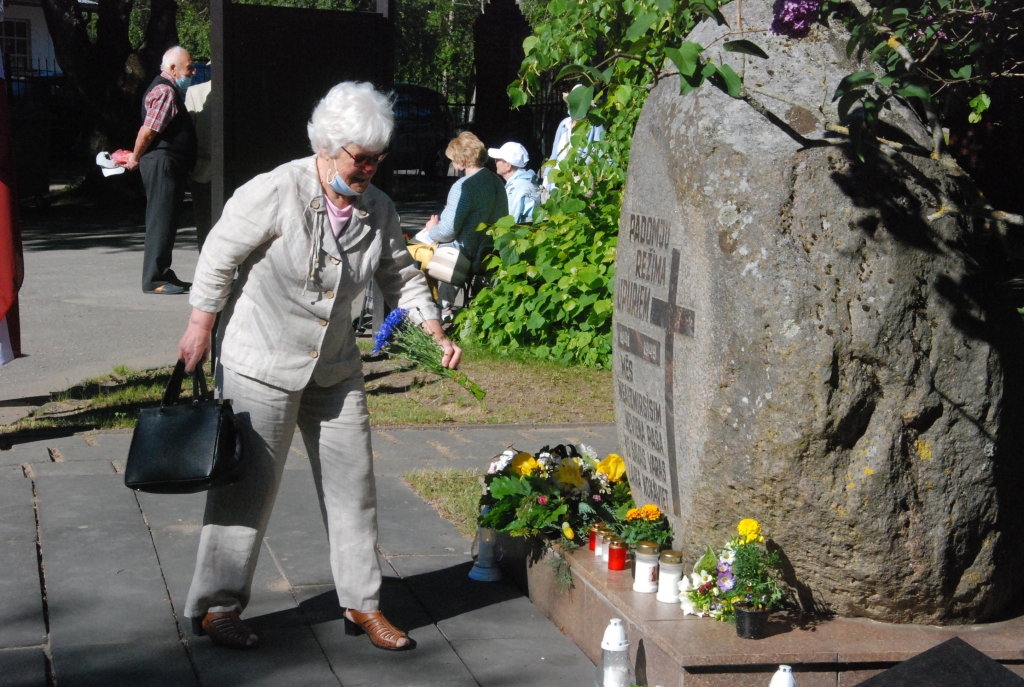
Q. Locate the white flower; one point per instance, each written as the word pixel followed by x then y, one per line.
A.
pixel 727 556
pixel 501 462
pixel 688 608
pixel 684 586
pixel 700 578
pixel 587 451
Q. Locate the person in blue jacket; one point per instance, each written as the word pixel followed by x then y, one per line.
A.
pixel 521 185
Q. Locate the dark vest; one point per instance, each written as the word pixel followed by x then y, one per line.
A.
pixel 178 139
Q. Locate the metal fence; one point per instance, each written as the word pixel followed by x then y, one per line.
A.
pixel 536 123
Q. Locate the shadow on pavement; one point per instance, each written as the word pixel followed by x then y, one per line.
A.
pixel 441 595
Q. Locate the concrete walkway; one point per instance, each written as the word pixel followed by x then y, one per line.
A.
pixel 93 577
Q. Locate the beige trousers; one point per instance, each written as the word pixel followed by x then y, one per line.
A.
pixel 335 427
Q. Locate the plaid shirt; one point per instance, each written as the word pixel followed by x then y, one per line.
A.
pixel 161 107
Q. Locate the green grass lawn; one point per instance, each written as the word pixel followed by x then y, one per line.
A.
pixel 454 494
pixel 519 390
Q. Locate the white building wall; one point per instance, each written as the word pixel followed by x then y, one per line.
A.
pixel 39 40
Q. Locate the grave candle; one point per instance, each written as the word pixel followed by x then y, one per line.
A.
pixel 670 574
pixel 617 554
pixel 608 537
pixel 594 532
pixel 645 568
pixel 599 542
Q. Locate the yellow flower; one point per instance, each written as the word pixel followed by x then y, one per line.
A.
pixel 613 467
pixel 650 512
pixel 567 531
pixel 568 475
pixel 524 464
pixel 750 530
pixel 633 514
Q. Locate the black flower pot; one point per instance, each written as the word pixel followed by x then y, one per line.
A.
pixel 750 622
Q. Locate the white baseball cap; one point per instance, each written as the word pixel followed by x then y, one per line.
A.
pixel 513 153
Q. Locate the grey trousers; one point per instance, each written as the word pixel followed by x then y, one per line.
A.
pixel 335 427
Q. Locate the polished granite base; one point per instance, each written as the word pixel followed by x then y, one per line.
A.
pixel 677 651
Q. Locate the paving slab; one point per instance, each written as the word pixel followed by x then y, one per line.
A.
pixel 431 663
pixel 21 600
pixel 104 585
pixel 296 532
pixel 407 525
pixel 135 664
pixel 537 662
pixel 23 667
pixel 78 467
pixel 288 655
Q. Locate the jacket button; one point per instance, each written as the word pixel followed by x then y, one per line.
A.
pixel 335 260
pixel 322 322
pixel 315 203
pixel 313 354
pixel 329 294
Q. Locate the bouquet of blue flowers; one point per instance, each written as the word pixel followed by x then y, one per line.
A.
pixel 401 337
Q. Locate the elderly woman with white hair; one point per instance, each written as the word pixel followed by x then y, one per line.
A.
pixel 305 239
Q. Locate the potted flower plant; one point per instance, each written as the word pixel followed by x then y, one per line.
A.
pixel 739 583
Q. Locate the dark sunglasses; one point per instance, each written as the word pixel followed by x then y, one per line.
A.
pixel 364 160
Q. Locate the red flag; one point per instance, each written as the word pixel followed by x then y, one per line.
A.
pixel 11 266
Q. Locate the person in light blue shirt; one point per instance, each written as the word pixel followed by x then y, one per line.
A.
pixel 521 184
pixel 563 142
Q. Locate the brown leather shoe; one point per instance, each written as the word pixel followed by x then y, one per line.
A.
pixel 383 634
pixel 227 629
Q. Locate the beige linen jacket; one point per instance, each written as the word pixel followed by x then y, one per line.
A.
pixel 287 317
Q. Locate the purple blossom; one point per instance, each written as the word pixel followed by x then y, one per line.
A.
pixel 393 319
pixel 794 18
pixel 542 500
pixel 726 582
pixel 597 497
pixel 724 567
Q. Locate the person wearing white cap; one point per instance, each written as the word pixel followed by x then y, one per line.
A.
pixel 522 185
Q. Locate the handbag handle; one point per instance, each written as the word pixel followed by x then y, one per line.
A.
pixel 173 391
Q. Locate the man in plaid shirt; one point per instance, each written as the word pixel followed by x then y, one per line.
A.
pixel 165 153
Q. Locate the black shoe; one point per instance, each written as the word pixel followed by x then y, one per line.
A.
pixel 170 289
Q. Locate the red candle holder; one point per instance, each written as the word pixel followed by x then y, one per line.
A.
pixel 617 555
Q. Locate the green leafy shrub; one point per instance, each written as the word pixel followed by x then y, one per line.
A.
pixel 554 280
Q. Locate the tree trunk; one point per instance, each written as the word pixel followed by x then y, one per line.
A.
pixel 110 75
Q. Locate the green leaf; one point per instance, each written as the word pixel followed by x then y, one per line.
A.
pixel 640 26
pixel 708 562
pixel 962 73
pixel 746 47
pixel 847 101
pixel 528 43
pixel 733 85
pixel 509 486
pixel 914 91
pixel 579 101
pixel 568 70
pixel 686 58
pixel 852 81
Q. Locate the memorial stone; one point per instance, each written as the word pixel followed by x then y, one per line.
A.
pixel 818 343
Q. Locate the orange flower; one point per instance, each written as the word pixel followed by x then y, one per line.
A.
pixel 650 512
pixel 633 514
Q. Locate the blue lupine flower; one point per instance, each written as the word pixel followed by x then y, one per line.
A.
pixel 393 319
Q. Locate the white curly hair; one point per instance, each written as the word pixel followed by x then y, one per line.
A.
pixel 351 113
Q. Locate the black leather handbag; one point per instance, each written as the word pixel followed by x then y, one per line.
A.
pixel 185 447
